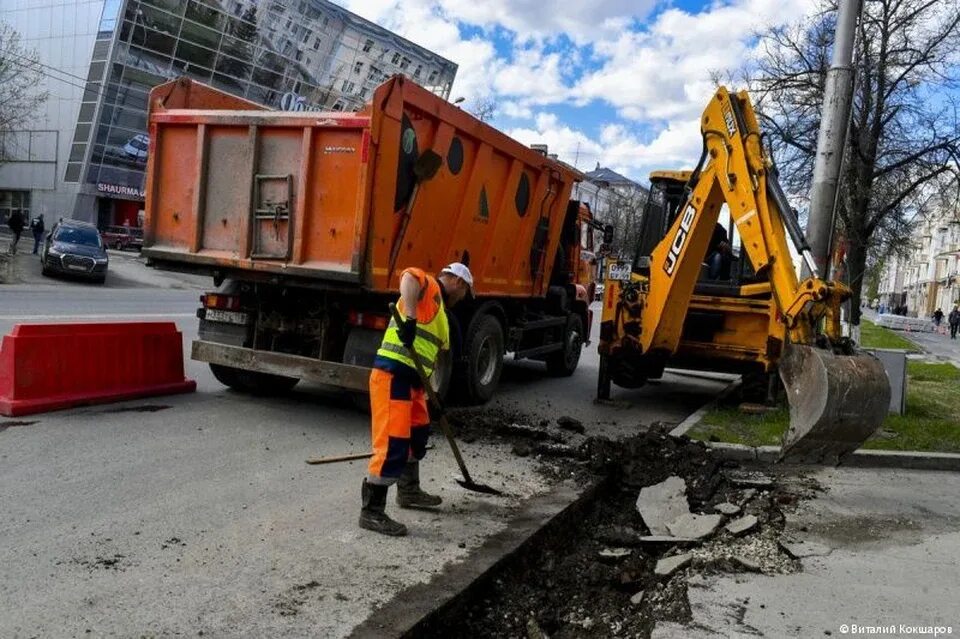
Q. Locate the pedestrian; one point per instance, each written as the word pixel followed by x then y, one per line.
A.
pixel 937 317
pixel 37 226
pixel 15 222
pixel 399 420
pixel 954 320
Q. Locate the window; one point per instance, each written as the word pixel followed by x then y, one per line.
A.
pixel 299 55
pixel 367 46
pixel 358 67
pixel 14 201
pixel 363 92
pixel 347 86
pixel 433 77
pixel 374 74
pixel 316 43
pixel 416 73
pixel 306 36
pixel 337 106
pixel 395 59
pixel 405 62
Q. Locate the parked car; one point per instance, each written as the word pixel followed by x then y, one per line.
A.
pixel 74 248
pixel 137 147
pixel 123 237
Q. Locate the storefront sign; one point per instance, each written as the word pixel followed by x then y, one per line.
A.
pixel 291 101
pixel 120 189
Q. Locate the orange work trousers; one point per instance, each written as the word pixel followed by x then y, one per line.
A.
pixel 400 423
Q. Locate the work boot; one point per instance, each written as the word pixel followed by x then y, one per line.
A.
pixel 373 516
pixel 409 494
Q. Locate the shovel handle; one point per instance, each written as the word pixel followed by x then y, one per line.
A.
pixel 441 415
pixel 333 459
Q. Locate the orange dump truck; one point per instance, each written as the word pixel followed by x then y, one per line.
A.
pixel 306 219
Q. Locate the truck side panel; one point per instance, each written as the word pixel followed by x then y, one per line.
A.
pixel 493 199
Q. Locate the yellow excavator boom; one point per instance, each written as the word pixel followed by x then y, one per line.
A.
pixel 821 372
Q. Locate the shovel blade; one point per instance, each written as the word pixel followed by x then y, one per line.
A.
pixel 478 488
pixel 836 403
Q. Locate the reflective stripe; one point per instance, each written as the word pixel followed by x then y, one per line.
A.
pixel 402 355
pixel 421 332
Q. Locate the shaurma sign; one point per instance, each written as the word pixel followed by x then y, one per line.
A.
pixel 120 189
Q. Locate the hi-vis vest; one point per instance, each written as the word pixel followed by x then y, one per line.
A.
pixel 433 332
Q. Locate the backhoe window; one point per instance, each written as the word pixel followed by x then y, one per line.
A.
pixel 666 196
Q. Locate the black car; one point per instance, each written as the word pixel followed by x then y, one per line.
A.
pixel 75 248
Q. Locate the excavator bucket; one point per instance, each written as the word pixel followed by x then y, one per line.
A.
pixel 836 403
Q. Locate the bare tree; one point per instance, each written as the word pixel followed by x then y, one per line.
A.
pixel 904 131
pixel 625 213
pixel 20 72
pixel 483 108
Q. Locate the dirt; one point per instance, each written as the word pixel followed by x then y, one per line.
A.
pixel 593 576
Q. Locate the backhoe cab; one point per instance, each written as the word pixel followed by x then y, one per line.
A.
pixel 688 299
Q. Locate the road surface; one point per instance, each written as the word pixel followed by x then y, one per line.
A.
pixel 197 513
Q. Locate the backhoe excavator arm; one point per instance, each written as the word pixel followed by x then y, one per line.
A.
pixel 737 173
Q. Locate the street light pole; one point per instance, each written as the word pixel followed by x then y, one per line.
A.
pixel 834 119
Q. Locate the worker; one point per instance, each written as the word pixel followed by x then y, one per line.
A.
pixel 719 255
pixel 400 423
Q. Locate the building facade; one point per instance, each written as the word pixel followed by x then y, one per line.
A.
pixel 86 155
pixel 928 277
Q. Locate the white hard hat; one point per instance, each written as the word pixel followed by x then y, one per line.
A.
pixel 461 271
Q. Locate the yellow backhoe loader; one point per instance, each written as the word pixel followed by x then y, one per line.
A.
pixel 748 313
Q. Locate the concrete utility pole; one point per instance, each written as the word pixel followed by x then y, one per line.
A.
pixel 835 116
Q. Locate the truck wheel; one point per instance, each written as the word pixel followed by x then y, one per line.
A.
pixel 562 363
pixel 483 354
pixel 252 382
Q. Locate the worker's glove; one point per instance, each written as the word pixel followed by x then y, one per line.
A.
pixel 407 331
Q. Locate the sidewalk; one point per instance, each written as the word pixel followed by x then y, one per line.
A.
pixel 940 346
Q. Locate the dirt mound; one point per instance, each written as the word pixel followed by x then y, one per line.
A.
pixel 595 572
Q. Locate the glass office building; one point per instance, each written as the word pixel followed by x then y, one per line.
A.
pixel 102 58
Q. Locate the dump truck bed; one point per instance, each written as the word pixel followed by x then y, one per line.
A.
pixel 321 197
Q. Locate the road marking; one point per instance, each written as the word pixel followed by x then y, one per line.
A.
pixel 32 318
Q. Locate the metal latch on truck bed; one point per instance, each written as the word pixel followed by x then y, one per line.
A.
pixel 272 197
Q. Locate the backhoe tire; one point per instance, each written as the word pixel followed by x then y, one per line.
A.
pixel 564 362
pixel 479 377
pixel 252 382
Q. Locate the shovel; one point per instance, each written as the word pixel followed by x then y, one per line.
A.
pixel 467 482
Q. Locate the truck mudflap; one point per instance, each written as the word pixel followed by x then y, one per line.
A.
pixel 836 403
pixel 332 373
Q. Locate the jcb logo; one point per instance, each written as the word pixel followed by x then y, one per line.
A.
pixel 673 256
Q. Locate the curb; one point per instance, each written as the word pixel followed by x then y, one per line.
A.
pixel 907 460
pixel 694 419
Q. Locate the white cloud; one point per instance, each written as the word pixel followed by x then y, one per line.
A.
pixel 657 77
pixel 664 71
pixel 677 146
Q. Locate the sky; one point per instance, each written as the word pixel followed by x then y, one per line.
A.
pixel 621 83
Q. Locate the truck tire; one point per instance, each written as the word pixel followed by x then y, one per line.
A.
pixel 483 360
pixel 562 363
pixel 252 382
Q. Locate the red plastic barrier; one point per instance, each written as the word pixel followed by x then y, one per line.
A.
pixel 46 367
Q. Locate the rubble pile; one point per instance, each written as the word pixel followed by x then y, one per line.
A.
pixel 670 510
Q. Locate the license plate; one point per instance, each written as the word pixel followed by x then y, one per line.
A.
pixel 620 272
pixel 76 267
pixel 227 317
